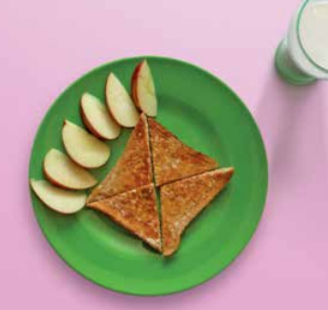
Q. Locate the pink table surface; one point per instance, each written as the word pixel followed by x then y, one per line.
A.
pixel 45 45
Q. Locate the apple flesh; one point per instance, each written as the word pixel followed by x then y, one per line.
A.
pixel 97 118
pixel 60 170
pixel 143 89
pixel 58 199
pixel 120 103
pixel 83 148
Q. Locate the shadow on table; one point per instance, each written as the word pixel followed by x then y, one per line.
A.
pixel 294 124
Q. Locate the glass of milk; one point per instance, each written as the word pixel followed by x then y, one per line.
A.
pixel 302 57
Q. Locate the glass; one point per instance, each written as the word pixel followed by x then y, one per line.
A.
pixel 302 57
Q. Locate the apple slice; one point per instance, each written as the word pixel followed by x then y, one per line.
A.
pixel 60 170
pixel 120 103
pixel 143 89
pixel 58 199
pixel 83 148
pixel 97 119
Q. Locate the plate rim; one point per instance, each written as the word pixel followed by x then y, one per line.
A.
pixel 215 272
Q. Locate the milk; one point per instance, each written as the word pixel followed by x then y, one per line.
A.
pixel 312 35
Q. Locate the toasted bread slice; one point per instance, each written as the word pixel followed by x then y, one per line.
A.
pixel 135 210
pixel 173 160
pixel 183 200
pixel 132 170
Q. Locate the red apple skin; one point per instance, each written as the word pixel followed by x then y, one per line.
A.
pixel 109 111
pixel 51 180
pixel 51 208
pixel 134 84
pixel 64 123
pixel 89 126
pixel 54 182
pixel 75 160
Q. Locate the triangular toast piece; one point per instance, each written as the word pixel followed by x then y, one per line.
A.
pixel 135 210
pixel 132 170
pixel 183 200
pixel 173 160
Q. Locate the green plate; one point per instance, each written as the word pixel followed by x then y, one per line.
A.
pixel 207 115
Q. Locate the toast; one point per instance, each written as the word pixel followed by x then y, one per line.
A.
pixel 132 170
pixel 136 211
pixel 183 200
pixel 173 160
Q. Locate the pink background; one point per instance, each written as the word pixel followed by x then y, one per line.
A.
pixel 45 45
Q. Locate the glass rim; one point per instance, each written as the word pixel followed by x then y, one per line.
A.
pixel 309 58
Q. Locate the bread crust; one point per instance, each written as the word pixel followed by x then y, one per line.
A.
pixel 132 170
pixel 183 200
pixel 136 211
pixel 172 159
